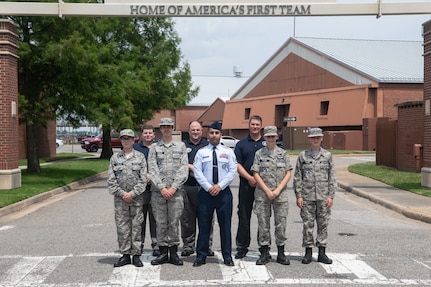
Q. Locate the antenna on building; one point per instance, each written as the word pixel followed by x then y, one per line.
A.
pixel 237 71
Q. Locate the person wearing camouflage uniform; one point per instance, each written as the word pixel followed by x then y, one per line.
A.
pixel 168 168
pixel 272 170
pixel 127 175
pixel 314 184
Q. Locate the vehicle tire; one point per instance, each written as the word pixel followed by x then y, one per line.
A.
pixel 94 148
pixel 57 144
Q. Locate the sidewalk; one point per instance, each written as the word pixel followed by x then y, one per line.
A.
pixel 409 204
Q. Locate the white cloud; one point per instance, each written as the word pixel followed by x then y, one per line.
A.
pixel 213 46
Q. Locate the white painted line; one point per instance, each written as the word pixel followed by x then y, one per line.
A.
pixel 19 270
pixel 423 264
pixel 359 268
pixel 244 270
pixel 6 227
pixel 33 271
pixel 41 271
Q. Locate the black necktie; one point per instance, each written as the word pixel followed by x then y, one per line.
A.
pixel 215 167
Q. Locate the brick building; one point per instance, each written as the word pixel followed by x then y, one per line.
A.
pixel 339 85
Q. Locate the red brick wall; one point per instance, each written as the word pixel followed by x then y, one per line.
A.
pixel 427 93
pixel 399 93
pixel 8 95
pixel 409 115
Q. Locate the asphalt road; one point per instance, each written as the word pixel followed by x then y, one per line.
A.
pixel 70 240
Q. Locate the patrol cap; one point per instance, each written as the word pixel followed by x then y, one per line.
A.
pixel 127 132
pixel 215 125
pixel 315 132
pixel 166 122
pixel 270 131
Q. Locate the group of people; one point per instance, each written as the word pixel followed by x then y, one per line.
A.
pixel 176 183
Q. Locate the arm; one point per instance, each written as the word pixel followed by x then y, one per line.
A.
pixel 113 186
pixel 183 173
pixel 154 169
pixel 198 170
pixel 139 188
pixel 297 182
pixel 242 172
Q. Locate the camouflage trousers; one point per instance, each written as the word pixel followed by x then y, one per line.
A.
pixel 311 212
pixel 262 209
pixel 128 219
pixel 168 214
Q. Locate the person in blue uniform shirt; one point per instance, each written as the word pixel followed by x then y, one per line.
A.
pixel 215 168
pixel 191 195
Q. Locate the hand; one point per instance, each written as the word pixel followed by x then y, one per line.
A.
pixel 167 193
pixel 252 182
pixel 214 190
pixel 127 197
pixel 299 202
pixel 329 202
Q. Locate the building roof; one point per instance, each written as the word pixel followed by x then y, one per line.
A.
pixel 357 61
pixel 384 60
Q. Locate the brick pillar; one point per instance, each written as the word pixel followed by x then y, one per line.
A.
pixel 426 169
pixel 10 174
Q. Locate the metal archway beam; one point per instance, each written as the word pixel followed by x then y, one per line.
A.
pixel 220 9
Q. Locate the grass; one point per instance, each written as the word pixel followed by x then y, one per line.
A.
pixel 409 181
pixel 59 157
pixel 335 151
pixel 56 174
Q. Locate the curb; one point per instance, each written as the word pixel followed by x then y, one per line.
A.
pixel 43 196
pixel 408 212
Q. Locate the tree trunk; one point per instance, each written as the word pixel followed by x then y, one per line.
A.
pixel 107 146
pixel 33 165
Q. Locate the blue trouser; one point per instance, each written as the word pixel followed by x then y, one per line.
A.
pixel 245 208
pixel 222 204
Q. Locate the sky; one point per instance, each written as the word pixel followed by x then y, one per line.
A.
pixel 213 46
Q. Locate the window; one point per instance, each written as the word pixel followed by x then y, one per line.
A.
pixel 247 113
pixel 324 106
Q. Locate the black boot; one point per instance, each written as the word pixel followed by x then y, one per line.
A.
pixel 281 258
pixel 162 258
pixel 322 256
pixel 264 255
pixel 137 261
pixel 173 256
pixel 307 256
pixel 124 260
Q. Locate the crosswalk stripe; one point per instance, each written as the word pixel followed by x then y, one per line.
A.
pixel 355 266
pixel 30 270
pixel 244 270
pixel 40 272
pixel 129 275
pixel 33 271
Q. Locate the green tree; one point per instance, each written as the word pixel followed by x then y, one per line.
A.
pixel 112 71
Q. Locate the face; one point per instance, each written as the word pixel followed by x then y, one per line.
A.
pixel 254 126
pixel 195 131
pixel 214 136
pixel 127 142
pixel 315 142
pixel 166 130
pixel 271 140
pixel 147 135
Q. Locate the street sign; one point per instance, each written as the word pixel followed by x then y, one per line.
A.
pixel 289 119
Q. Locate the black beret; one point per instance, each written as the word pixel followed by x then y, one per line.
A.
pixel 216 125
